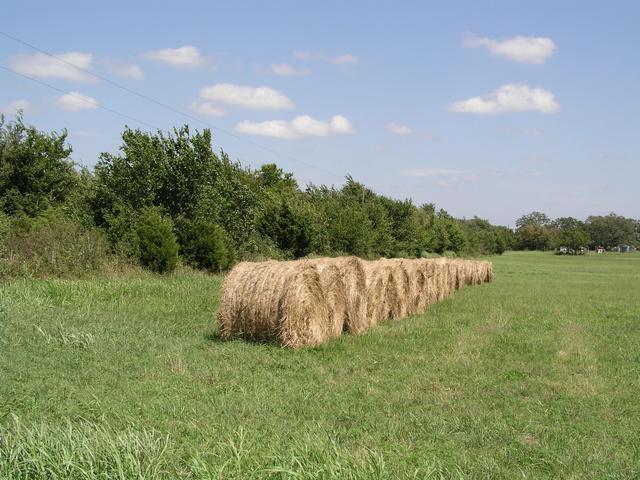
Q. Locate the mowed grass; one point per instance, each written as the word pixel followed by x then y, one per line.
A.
pixel 536 375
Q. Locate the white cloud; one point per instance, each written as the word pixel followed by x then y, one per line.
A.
pixel 125 70
pixel 346 59
pixel 258 98
pixel 13 107
pixel 302 55
pixel 446 177
pixel 340 124
pixel 535 50
pixel 45 66
pixel 182 57
pixel 508 98
pixel 287 70
pixel 207 108
pixel 398 129
pixel 300 127
pixel 75 101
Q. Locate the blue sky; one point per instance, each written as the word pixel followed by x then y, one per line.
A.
pixel 485 108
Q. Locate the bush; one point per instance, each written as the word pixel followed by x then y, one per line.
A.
pixel 206 246
pixel 42 248
pixel 157 242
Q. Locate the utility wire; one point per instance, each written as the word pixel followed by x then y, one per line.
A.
pixel 98 105
pixel 156 102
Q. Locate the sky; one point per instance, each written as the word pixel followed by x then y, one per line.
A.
pixel 492 109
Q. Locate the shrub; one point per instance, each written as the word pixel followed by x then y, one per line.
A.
pixel 206 246
pixel 43 247
pixel 157 242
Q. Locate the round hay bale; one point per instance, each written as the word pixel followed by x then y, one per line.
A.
pixel 281 302
pixel 428 294
pixel 334 291
pixel 442 278
pixel 382 291
pixel 400 274
pixel 355 282
pixel 416 284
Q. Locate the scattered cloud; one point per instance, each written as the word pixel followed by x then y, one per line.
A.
pixel 449 177
pixel 125 70
pixel 207 108
pixel 428 136
pixel 398 129
pixel 182 57
pixel 44 66
pixel 13 107
pixel 300 127
pixel 76 101
pixel 446 177
pixel 287 70
pixel 302 55
pixel 534 50
pixel 507 99
pixel 258 98
pixel 346 59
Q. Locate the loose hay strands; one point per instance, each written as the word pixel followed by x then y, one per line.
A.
pixel 307 302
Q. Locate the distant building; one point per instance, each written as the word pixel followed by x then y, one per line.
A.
pixel 624 249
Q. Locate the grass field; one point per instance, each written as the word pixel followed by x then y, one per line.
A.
pixel 536 375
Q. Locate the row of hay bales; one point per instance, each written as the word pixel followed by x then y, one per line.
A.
pixel 308 302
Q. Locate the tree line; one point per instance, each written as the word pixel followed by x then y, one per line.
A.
pixel 169 198
pixel 536 231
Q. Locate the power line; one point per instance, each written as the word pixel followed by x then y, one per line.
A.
pixel 97 105
pixel 156 102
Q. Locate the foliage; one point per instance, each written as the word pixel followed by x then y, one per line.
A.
pixel 50 245
pixel 205 246
pixel 611 230
pixel 157 242
pixel 35 170
pixel 220 209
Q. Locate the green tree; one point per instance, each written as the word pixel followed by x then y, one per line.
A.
pixel 534 231
pixel 611 230
pixel 36 172
pixel 157 242
pixel 205 246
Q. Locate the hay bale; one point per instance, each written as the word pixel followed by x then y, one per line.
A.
pixel 416 284
pixel 282 302
pixel 335 292
pixel 382 291
pixel 486 271
pixel 442 278
pixel 355 282
pixel 428 295
pixel 401 278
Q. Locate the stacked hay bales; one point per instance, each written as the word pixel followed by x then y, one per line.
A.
pixel 308 302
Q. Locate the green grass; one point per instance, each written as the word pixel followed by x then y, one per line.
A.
pixel 536 375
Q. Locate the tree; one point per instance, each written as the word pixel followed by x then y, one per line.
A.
pixel 35 169
pixel 534 237
pixel 206 246
pixel 611 230
pixel 533 231
pixel 574 238
pixel 534 218
pixel 157 242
